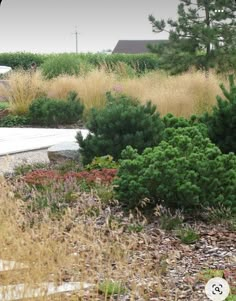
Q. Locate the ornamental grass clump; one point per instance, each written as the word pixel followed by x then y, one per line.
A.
pixel 23 87
pixel 123 121
pixel 185 171
pixel 84 245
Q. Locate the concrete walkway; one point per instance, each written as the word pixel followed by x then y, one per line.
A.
pixel 17 140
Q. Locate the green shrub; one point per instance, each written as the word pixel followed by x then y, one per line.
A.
pixel 14 120
pixel 123 121
pixel 102 162
pixel 171 121
pixel 21 59
pixel 52 112
pixel 185 171
pixel 138 62
pixel 222 122
pixel 60 64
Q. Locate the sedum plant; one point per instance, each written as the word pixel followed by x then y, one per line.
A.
pixel 102 162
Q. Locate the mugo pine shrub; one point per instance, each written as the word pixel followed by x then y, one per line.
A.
pixel 52 112
pixel 123 121
pixel 222 122
pixel 185 171
pixel 171 121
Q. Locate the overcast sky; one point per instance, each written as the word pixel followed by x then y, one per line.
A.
pixel 48 26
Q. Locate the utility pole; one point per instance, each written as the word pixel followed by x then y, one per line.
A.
pixel 76 40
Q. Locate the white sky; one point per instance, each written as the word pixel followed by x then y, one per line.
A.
pixel 48 26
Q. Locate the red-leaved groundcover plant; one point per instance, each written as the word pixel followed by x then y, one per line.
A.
pixel 42 177
pixel 47 177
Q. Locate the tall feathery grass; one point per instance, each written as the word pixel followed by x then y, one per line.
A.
pixel 182 95
pixel 21 89
pixel 91 88
pixel 73 248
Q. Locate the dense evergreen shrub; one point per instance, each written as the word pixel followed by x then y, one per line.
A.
pixel 61 64
pixel 52 112
pixel 185 170
pixel 58 62
pixel 222 121
pixel 123 121
pixel 21 59
pixel 171 121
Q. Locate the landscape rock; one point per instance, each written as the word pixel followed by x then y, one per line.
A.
pixel 63 151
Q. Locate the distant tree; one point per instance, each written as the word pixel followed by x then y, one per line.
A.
pixel 203 36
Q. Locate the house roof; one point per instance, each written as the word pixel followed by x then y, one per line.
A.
pixel 134 46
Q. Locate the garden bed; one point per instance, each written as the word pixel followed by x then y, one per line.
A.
pixel 98 241
pixel 150 206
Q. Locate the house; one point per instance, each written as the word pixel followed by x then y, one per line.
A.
pixel 135 46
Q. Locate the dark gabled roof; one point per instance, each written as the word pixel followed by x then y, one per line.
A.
pixel 135 46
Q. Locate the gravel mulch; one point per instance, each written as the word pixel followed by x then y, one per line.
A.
pixel 8 163
pixel 180 266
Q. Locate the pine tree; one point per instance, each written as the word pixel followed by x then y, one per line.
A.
pixel 203 36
